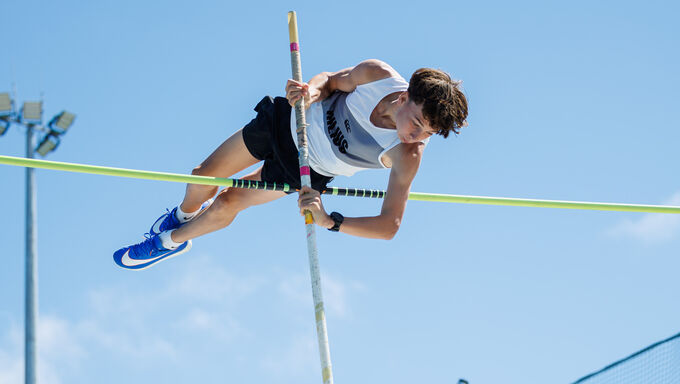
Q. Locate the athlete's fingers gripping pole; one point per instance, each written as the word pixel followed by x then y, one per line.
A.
pixel 322 334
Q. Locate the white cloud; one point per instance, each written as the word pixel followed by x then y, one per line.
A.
pixel 651 227
pixel 219 325
pixel 121 321
pixel 336 294
pixel 58 347
pixel 138 342
pixel 136 321
pixel 205 282
pixel 11 368
pixel 297 289
pixel 59 341
pixel 298 358
pixel 11 356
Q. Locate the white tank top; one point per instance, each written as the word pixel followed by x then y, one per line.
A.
pixel 342 140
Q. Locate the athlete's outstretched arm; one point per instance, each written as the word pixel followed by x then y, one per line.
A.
pixel 405 162
pixel 322 85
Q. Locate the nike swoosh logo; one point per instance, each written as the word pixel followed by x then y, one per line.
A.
pixel 157 225
pixel 128 262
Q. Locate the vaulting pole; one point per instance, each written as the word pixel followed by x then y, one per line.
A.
pixel 321 332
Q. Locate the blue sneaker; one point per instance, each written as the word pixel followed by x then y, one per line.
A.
pixel 147 253
pixel 169 220
pixel 166 222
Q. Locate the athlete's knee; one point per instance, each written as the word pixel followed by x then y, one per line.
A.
pixel 229 201
pixel 202 189
pixel 200 170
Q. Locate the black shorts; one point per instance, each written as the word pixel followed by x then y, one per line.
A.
pixel 268 137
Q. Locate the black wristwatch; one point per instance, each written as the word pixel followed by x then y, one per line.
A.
pixel 337 219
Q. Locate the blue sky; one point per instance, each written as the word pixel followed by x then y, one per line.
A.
pixel 568 101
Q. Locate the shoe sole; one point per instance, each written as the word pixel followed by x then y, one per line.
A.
pixel 156 261
pixel 187 248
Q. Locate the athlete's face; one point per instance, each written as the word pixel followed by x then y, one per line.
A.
pixel 411 126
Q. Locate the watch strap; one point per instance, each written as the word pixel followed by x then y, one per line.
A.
pixel 337 219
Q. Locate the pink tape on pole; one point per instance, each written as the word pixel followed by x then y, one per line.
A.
pixel 304 171
pixel 294 47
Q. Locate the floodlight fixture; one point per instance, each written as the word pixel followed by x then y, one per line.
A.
pixel 5 105
pixel 31 112
pixel 61 122
pixel 4 124
pixel 6 112
pixel 48 144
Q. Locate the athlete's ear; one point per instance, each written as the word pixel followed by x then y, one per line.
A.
pixel 403 97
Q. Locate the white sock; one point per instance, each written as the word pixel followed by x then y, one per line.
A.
pixel 166 240
pixel 183 217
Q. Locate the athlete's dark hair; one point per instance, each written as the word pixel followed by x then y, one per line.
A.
pixel 444 104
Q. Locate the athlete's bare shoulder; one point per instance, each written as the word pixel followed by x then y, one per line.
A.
pixel 365 72
pixel 373 70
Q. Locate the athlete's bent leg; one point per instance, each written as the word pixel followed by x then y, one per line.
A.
pixel 222 212
pixel 230 157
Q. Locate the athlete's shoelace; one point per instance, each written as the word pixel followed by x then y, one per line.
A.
pixel 169 221
pixel 163 225
pixel 145 248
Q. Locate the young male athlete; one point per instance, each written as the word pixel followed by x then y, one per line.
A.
pixel 361 117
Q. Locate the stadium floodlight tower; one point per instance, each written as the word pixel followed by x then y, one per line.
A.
pixel 55 128
pixel 6 112
pixel 31 117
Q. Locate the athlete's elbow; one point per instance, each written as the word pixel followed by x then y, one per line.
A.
pixel 388 235
pixel 391 229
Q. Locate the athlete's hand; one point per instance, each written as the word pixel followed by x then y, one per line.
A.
pixel 310 200
pixel 296 90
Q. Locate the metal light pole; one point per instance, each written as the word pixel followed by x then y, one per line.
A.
pixel 31 118
pixel 31 265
